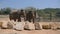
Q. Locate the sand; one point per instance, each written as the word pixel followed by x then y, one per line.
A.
pixel 11 31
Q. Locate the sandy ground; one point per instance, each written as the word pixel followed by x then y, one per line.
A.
pixel 11 31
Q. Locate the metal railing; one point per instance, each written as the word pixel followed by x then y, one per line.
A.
pixel 48 19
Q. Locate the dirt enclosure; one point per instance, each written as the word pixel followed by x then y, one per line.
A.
pixel 11 31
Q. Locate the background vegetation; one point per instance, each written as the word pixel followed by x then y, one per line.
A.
pixel 41 12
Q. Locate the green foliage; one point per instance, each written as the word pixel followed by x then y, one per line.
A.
pixel 48 12
pixel 5 11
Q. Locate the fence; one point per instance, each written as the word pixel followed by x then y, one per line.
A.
pixel 55 18
pixel 41 19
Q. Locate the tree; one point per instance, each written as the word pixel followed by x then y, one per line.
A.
pixel 5 10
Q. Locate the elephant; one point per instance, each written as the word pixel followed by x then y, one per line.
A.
pixel 21 14
pixel 13 16
pixel 30 16
pixel 16 15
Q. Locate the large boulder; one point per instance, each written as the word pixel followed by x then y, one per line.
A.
pixel 46 25
pixel 58 25
pixel 19 26
pixel 54 26
pixel 38 26
pixel 10 24
pixel 29 26
pixel 4 25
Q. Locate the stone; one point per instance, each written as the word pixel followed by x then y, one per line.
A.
pixel 4 25
pixel 46 26
pixel 10 25
pixel 29 26
pixel 19 26
pixel 53 26
pixel 38 26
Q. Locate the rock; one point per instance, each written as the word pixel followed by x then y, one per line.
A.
pixel 38 26
pixel 19 26
pixel 10 25
pixel 29 26
pixel 53 26
pixel 4 25
pixel 58 25
pixel 46 26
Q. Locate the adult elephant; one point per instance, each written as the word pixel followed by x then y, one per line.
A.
pixel 16 15
pixel 30 16
pixel 13 15
pixel 21 13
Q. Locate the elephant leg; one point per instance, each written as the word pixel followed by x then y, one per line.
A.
pixel 19 19
pixel 29 19
pixel 14 20
pixel 24 19
pixel 33 20
pixel 10 19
